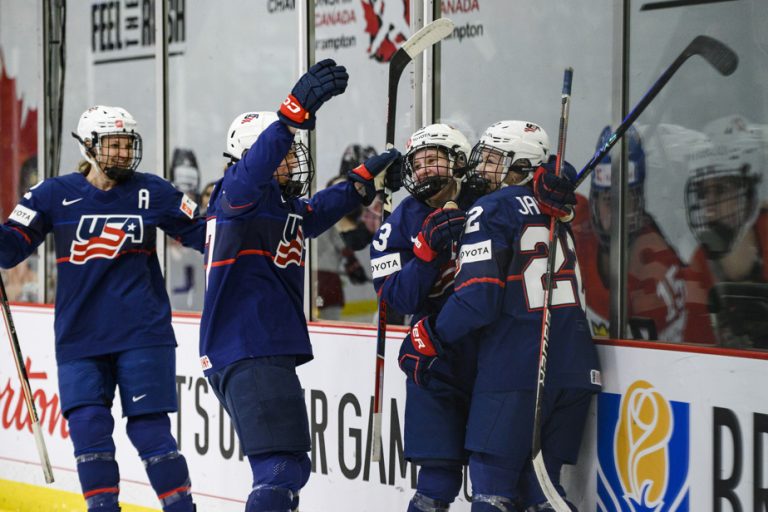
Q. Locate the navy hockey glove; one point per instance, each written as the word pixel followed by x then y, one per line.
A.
pixel 416 366
pixel 424 339
pixel 393 179
pixel 323 81
pixel 555 194
pixel 365 173
pixel 439 230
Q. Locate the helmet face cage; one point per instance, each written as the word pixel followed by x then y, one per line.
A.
pixel 428 169
pixel 488 166
pixel 300 171
pixel 721 206
pixel 436 156
pixel 117 153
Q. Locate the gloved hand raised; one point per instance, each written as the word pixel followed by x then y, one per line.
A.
pixel 323 81
pixel 389 161
pixel 439 230
pixel 555 194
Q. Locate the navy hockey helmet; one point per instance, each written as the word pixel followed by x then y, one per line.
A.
pixel 600 190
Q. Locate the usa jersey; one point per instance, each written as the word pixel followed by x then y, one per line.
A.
pixel 499 297
pixel 406 283
pixel 254 257
pixel 110 293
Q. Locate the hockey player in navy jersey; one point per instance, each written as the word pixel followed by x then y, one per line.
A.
pixel 413 263
pixel 498 301
pixel 253 329
pixel 113 317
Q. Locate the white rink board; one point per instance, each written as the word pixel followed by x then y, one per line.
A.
pixel 339 385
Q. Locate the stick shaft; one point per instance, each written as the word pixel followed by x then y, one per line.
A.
pixel 545 482
pixel 26 391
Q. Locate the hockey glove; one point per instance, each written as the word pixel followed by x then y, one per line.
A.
pixel 393 179
pixel 439 230
pixel 555 194
pixel 365 173
pixel 415 365
pixel 323 81
pixel 424 339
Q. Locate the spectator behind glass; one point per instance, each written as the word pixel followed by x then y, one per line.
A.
pixel 185 173
pixel 656 290
pixel 336 255
pixel 185 271
pixel 728 272
pixel 205 196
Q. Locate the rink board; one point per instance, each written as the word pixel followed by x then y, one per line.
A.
pixel 674 428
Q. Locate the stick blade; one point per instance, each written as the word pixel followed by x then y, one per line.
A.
pixel 721 57
pixel 427 36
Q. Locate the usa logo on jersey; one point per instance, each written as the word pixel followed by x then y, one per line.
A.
pixel 291 247
pixel 102 236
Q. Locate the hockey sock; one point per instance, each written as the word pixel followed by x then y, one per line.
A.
pixel 90 428
pixel 494 483
pixel 166 467
pixel 421 503
pixel 529 484
pixel 277 480
pixel 442 483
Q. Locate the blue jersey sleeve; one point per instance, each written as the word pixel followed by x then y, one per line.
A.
pixel 244 181
pixel 484 256
pixel 179 218
pixel 26 227
pixel 401 279
pixel 329 205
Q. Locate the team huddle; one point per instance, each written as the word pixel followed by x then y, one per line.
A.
pixel 464 256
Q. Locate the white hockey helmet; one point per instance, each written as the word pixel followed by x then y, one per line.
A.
pixel 244 131
pixel 721 194
pixel 518 145
pixel 442 137
pixel 248 126
pixel 101 121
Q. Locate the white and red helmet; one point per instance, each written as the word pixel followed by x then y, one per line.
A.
pixel 521 146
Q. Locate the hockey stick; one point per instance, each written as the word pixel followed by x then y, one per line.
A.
pixel 719 56
pixel 550 492
pixel 428 35
pixel 25 389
